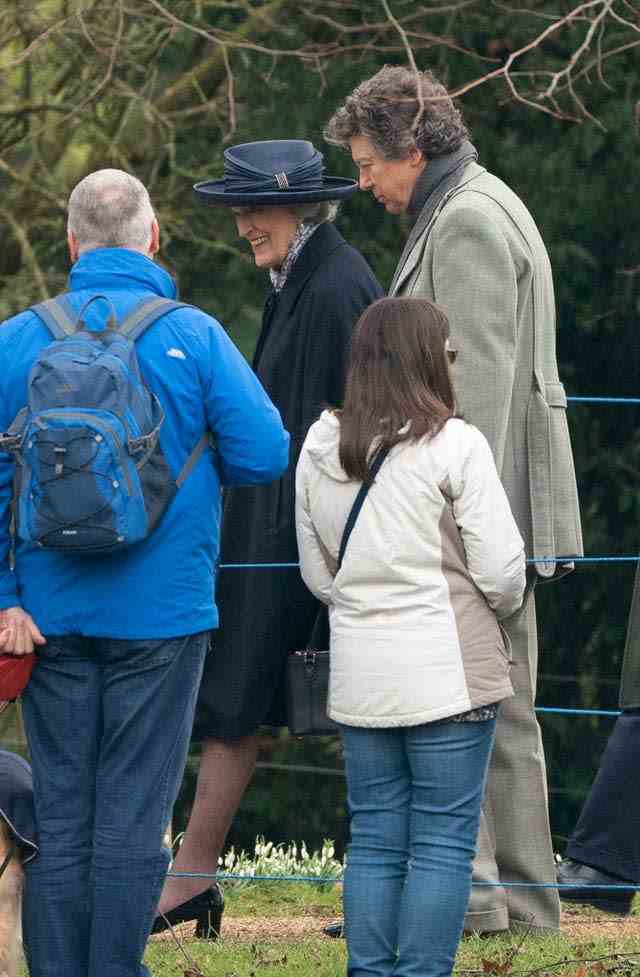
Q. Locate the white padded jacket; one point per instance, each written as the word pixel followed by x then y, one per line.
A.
pixel 434 560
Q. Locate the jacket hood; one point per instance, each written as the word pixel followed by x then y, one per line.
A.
pixel 120 268
pixel 322 444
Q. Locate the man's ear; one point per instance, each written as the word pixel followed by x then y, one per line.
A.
pixel 154 244
pixel 417 158
pixel 72 244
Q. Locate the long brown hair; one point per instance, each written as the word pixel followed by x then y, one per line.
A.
pixel 397 380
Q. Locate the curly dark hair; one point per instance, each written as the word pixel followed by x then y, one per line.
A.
pixel 385 109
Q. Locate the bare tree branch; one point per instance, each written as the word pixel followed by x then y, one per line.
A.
pixel 23 239
pixel 59 202
pixel 412 61
pixel 28 51
pixel 230 96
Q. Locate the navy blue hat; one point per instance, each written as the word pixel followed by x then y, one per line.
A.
pixel 273 172
pixel 16 801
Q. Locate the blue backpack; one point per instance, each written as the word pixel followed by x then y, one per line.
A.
pixel 91 477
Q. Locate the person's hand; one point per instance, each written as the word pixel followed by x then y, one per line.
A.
pixel 18 632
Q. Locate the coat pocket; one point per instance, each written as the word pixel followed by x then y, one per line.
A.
pixel 555 509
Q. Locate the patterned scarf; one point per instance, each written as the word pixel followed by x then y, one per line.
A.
pixel 300 238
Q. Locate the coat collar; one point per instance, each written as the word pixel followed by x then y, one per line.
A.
pixel 435 173
pixel 322 242
pixel 450 183
pixel 120 268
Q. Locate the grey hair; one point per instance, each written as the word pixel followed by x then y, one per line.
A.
pixel 316 213
pixel 313 213
pixel 385 108
pixel 110 209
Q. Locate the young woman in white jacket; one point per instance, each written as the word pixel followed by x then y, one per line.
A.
pixel 418 658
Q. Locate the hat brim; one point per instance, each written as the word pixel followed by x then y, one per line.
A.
pixel 334 188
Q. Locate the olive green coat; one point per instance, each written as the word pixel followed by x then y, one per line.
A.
pixel 481 258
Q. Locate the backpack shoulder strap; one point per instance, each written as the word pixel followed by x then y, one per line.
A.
pixel 206 441
pixel 137 322
pixel 145 314
pixel 57 316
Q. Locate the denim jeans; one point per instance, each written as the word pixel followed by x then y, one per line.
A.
pixel 414 796
pixel 108 724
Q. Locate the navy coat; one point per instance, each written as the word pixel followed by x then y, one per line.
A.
pixel 300 359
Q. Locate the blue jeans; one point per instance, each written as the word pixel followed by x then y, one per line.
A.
pixel 108 723
pixel 414 796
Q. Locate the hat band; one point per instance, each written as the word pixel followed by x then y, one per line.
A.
pixel 279 181
pixel 241 177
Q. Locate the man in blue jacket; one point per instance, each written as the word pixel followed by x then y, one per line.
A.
pixel 122 637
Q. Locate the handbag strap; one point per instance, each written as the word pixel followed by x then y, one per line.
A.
pixel 359 502
pixel 10 853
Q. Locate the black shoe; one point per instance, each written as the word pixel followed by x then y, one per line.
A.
pixel 336 930
pixel 579 876
pixel 206 908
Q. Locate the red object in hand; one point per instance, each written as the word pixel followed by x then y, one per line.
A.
pixel 15 672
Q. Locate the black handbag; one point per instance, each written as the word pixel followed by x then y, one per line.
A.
pixel 307 677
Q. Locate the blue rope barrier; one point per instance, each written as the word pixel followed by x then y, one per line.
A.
pixel 330 880
pixel 577 559
pixel 258 566
pixel 603 400
pixel 585 559
pixel 534 559
pixel 579 712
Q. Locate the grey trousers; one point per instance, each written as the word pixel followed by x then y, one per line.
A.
pixel 514 839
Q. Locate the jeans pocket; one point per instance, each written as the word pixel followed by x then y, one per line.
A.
pixel 134 655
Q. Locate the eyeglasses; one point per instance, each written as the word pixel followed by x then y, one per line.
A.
pixel 452 354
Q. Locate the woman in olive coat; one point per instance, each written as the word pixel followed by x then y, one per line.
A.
pixel 283 205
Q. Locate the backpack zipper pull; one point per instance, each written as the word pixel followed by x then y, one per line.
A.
pixel 60 452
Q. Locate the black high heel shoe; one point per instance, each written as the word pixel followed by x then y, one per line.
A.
pixel 206 908
pixel 336 930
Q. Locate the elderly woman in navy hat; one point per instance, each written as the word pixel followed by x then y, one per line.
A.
pixel 283 205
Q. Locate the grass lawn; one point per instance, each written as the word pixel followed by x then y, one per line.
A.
pixel 275 930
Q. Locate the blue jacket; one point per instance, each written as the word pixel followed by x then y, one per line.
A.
pixel 164 586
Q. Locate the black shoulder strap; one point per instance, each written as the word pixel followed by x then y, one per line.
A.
pixel 57 316
pixel 357 505
pixel 8 856
pixel 145 314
